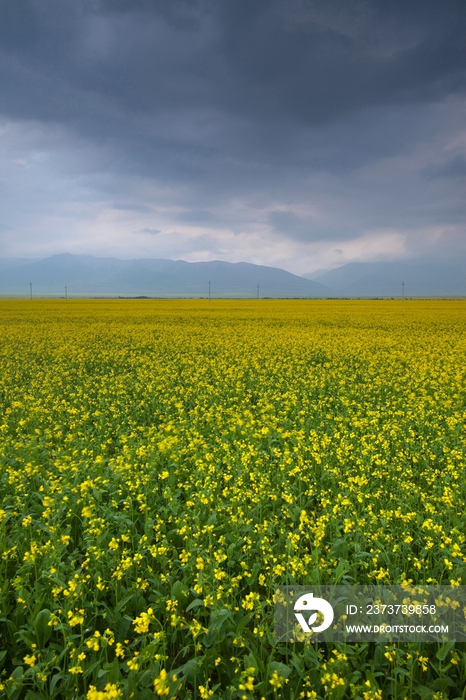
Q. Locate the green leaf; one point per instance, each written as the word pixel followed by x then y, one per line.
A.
pixel 90 670
pixel 340 548
pixel 42 628
pixel 250 662
pixel 217 620
pixel 57 677
pixel 341 569
pixel 297 662
pixel 17 673
pixel 179 591
pixel 399 671
pixel 444 650
pixel 189 669
pixel 195 604
pixel 147 679
pixel 424 691
pixel 282 669
pixel 212 518
pixel 125 600
pixel 114 671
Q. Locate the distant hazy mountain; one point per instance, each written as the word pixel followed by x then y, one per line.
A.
pixel 6 263
pixel 316 274
pixel 90 276
pixel 386 279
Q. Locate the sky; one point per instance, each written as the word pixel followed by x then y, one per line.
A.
pixel 301 134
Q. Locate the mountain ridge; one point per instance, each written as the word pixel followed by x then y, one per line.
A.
pixel 86 275
pixel 419 278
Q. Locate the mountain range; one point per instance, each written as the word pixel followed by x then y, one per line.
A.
pixel 86 275
pixel 387 279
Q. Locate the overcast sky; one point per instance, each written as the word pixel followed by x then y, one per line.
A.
pixel 296 133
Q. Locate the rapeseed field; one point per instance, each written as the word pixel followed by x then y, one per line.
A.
pixel 166 464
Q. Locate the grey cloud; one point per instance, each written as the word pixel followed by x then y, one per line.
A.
pixel 122 206
pixel 196 216
pixel 267 104
pixel 136 78
pixel 305 229
pixel 453 167
pixel 236 57
pixel 204 243
pixel 150 231
pixel 291 225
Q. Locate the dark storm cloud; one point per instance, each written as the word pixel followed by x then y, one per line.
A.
pixel 101 66
pixel 261 101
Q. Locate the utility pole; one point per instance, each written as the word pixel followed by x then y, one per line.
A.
pixel 66 292
pixel 30 291
pixel 402 291
pixel 209 291
pixel 258 291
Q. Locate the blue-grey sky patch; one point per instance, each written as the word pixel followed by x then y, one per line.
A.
pixel 452 167
pixel 196 216
pixel 128 206
pixel 301 133
pixel 150 231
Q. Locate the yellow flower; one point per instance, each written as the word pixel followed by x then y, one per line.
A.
pixel 75 669
pixel 94 642
pixel 133 664
pixel 162 683
pixel 111 692
pixel 119 651
pixel 424 662
pixel 30 660
pixel 277 681
pixel 75 618
pixel 142 622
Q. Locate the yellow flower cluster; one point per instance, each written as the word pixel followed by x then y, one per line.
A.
pixel 111 692
pixel 142 622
